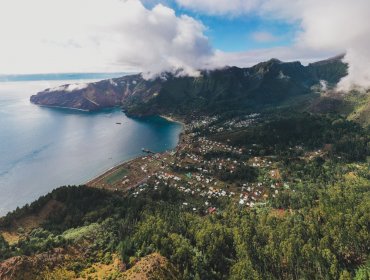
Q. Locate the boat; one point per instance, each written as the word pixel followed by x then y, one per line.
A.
pixel 147 151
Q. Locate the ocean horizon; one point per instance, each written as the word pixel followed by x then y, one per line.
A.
pixel 60 76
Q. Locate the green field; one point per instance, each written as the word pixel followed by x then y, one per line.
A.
pixel 116 176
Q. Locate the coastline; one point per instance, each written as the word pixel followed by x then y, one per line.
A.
pixel 97 179
pixel 61 107
pixel 172 119
pixel 111 170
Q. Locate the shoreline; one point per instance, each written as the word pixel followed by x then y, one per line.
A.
pixel 171 119
pixel 61 107
pixel 111 170
pixel 120 165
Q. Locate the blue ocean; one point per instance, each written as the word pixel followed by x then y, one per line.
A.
pixel 44 148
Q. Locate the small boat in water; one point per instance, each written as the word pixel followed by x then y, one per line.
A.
pixel 147 151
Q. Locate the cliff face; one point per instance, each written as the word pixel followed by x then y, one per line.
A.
pixel 95 96
pixel 234 88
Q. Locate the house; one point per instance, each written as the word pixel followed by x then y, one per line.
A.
pixel 211 210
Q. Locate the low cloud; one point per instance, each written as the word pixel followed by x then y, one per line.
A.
pixel 41 36
pixel 252 57
pixel 330 26
pixel 92 35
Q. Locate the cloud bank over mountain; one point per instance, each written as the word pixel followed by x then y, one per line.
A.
pixel 125 35
pixel 325 27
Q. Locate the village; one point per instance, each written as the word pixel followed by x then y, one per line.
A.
pixel 202 167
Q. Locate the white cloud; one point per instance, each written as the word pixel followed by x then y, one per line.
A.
pixel 93 35
pixel 326 26
pixel 252 57
pixel 221 7
pixel 121 35
pixel 264 37
pixel 160 41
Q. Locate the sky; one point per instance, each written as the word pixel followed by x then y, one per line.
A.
pixel 152 36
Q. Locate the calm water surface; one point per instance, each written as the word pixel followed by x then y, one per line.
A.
pixel 43 148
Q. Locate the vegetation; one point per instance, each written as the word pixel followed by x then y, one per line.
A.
pixel 222 91
pixel 313 219
pixel 325 240
pixel 330 70
pixel 317 227
pixel 320 231
pixel 267 84
pixel 4 249
pixel 278 134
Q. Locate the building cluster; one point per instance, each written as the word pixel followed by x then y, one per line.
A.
pixel 195 167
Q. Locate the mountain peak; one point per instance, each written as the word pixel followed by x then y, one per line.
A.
pixel 274 60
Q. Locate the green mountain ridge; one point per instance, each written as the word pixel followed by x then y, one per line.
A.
pixel 267 83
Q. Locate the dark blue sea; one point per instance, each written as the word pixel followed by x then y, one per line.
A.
pixel 44 148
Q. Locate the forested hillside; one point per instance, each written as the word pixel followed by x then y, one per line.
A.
pixel 292 201
pixel 270 180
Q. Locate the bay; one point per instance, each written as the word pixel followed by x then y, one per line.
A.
pixel 43 148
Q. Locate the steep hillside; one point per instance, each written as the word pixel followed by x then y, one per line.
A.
pixel 98 95
pixel 232 88
pixel 330 70
pixel 152 267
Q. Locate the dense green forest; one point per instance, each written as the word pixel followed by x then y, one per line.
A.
pixel 329 240
pixel 317 227
pixel 278 133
